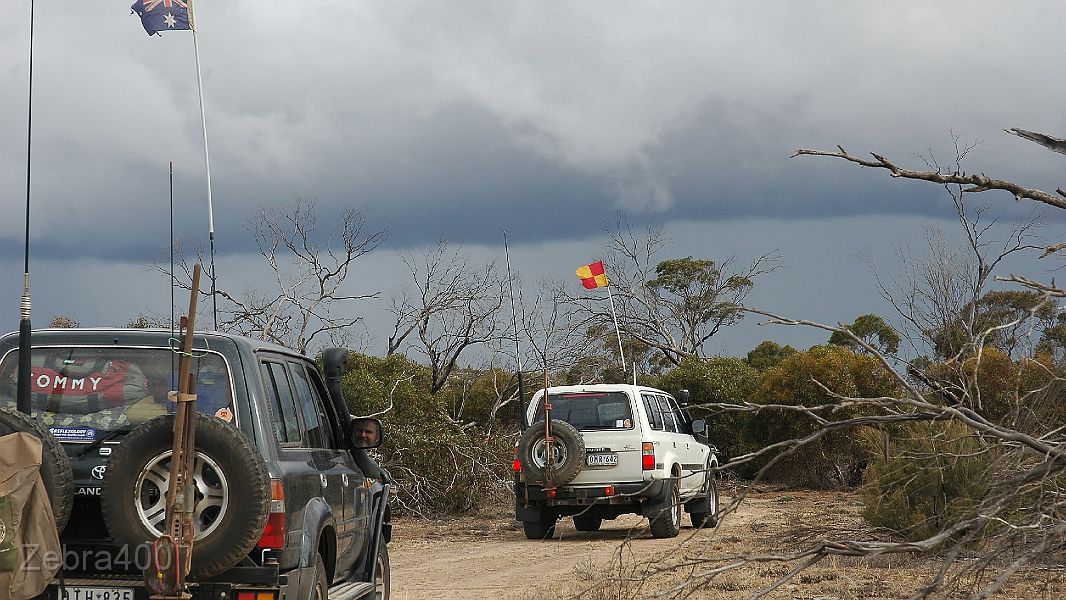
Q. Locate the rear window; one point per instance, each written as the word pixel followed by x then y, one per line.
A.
pixel 608 410
pixel 80 391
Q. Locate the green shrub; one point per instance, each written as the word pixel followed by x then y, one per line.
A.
pixel 719 379
pixel 836 458
pixel 935 473
pixel 437 464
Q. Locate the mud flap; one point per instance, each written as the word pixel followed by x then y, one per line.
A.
pixel 698 505
pixel 656 505
pixel 527 513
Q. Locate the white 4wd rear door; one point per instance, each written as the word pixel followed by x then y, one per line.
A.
pixel 608 424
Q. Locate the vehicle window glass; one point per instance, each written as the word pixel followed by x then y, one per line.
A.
pixel 601 410
pixel 679 416
pixel 668 414
pixel 651 406
pixel 287 426
pixel 315 426
pixel 84 391
pixel 326 409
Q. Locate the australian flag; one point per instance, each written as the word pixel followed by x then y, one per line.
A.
pixel 162 15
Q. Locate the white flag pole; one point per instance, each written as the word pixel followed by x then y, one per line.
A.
pixel 617 331
pixel 207 165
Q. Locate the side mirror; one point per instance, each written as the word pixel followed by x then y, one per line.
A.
pixel 364 433
pixel 683 397
pixel 699 426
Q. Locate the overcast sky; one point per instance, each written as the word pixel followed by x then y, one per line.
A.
pixel 460 120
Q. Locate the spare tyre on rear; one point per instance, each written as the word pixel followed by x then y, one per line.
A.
pixel 55 464
pixel 232 491
pixel 569 453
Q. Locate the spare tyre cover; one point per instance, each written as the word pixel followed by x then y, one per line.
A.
pixel 55 464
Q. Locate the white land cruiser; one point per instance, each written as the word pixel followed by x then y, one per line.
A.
pixel 618 449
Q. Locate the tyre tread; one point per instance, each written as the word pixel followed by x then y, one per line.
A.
pixel 56 471
pixel 569 436
pixel 663 524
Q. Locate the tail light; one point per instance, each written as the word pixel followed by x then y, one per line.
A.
pixel 647 456
pixel 517 464
pixel 250 595
pixel 274 532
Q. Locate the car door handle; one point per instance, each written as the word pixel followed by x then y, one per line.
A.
pixel 322 478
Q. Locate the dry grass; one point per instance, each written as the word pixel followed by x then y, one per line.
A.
pixel 777 523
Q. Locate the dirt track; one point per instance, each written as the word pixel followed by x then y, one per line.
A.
pixel 491 558
pixel 488 557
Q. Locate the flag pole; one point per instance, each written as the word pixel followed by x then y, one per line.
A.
pixel 22 391
pixel 517 346
pixel 207 165
pixel 617 331
pixel 172 282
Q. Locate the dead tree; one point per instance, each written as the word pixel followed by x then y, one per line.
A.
pixel 452 308
pixel 310 299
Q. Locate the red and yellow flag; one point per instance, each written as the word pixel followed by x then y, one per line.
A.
pixel 592 275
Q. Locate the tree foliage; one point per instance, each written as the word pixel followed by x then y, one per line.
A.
pixel 768 354
pixel 438 463
pixel 717 380
pixel 932 475
pixel 820 377
pixel 673 306
pixel 63 322
pixel 871 330
pixel 1009 320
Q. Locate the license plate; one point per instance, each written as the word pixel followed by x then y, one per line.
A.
pixel 602 460
pixel 79 592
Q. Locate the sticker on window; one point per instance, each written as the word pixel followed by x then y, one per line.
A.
pixel 73 434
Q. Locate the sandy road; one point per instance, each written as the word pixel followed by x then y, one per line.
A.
pixel 489 557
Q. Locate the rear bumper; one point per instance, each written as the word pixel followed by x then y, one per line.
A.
pixel 623 493
pixel 260 579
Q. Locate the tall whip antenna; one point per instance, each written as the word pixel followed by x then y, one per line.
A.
pixel 207 165
pixel 517 346
pixel 172 282
pixel 22 393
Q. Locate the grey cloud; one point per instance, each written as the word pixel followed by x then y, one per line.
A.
pixel 460 120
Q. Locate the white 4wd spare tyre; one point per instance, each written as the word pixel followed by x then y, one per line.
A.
pixel 569 453
pixel 232 491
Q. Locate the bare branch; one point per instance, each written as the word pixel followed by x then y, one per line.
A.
pixel 979 182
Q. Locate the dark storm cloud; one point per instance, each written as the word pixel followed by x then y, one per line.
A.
pixel 461 120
